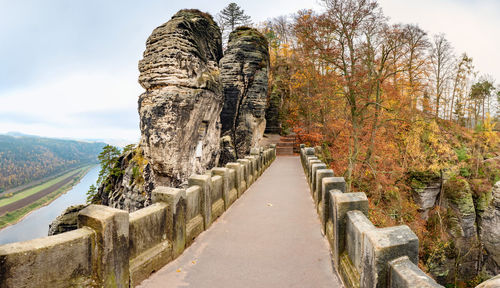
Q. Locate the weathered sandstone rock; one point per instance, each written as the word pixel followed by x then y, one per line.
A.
pixel 244 76
pixel 67 221
pixel 461 227
pixel 426 188
pixel 273 123
pixel 131 188
pixel 227 151
pixel 179 112
pixel 490 232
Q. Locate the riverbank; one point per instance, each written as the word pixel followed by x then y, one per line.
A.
pixel 47 195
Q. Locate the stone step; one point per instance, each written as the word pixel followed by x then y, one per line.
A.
pixel 287 139
pixel 284 150
pixel 285 144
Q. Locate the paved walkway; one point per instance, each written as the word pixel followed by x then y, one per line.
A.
pixel 270 237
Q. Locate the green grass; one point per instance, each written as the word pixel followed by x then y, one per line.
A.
pixel 33 190
pixel 14 216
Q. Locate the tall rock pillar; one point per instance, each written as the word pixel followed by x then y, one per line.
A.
pixel 180 110
pixel 244 76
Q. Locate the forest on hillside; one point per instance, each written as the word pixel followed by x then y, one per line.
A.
pixel 27 158
pixel 395 111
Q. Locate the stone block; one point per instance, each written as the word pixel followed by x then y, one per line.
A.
pixel 318 188
pixel 255 151
pixel 193 207
pixel 147 227
pixel 490 283
pixel 240 183
pixel 380 247
pixel 310 162
pixel 305 164
pixel 404 273
pixel 149 247
pixel 258 158
pixel 314 168
pixel 63 260
pixel 218 189
pixel 327 184
pixel 309 151
pixel 205 184
pixel 233 193
pixel 304 154
pixel 247 175
pixel 343 203
pixel 255 167
pixel 176 215
pixel 357 224
pixel 224 173
pixel 219 186
pixel 111 260
pixel 194 224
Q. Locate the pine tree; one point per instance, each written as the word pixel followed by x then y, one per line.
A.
pixel 233 16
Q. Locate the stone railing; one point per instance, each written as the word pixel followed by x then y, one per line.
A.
pixel 363 255
pixel 113 248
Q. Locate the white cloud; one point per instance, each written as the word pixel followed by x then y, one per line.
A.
pixel 67 106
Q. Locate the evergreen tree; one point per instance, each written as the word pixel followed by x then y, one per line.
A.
pixel 232 16
pixel 108 159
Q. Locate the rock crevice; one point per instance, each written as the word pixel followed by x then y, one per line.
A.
pixel 244 76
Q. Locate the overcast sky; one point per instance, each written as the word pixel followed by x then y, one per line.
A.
pixel 69 68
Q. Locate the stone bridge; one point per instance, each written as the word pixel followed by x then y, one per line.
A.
pixel 229 228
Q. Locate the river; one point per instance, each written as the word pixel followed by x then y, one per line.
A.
pixel 36 224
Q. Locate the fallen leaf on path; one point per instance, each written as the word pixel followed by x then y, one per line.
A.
pixel 178 270
pixel 269 204
pixel 194 262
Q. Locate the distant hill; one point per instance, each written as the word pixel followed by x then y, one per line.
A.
pixel 27 158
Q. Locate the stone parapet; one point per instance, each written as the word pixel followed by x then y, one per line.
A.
pixel 363 255
pixel 113 248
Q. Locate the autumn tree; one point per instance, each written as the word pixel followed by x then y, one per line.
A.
pixel 442 57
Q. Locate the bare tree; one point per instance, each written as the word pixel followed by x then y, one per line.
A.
pixel 442 57
pixel 417 44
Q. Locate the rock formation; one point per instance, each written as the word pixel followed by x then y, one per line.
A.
pixel 490 232
pixel 426 188
pixel 273 123
pixel 244 76
pixel 180 110
pixel 67 221
pixel 131 188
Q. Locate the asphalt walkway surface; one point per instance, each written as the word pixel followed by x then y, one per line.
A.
pixel 270 237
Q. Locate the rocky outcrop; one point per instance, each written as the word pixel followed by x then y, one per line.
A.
pixel 227 151
pixel 67 221
pixel 180 110
pixel 273 123
pixel 490 233
pixel 244 76
pixel 130 188
pixel 461 263
pixel 426 188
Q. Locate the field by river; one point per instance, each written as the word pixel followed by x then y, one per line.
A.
pixel 36 223
pixel 14 208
